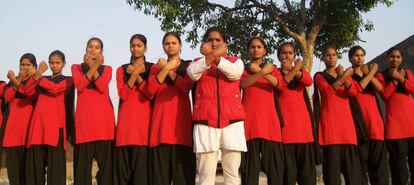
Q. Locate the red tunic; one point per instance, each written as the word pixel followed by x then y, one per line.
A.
pixel 134 115
pixel 2 86
pixel 21 108
pixel 94 115
pixel 297 122
pixel 261 117
pixel 336 125
pixel 400 107
pixel 49 115
pixel 369 107
pixel 171 117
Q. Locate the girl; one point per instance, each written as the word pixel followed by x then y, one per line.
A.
pixel 398 86
pixel 2 107
pixel 297 132
pixel 172 159
pixel 2 112
pixel 94 117
pixel 132 131
pixel 336 132
pixel 264 148
pixel 373 153
pixel 3 117
pixel 21 105
pixel 218 113
pixel 47 132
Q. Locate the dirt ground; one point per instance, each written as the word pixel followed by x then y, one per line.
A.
pixel 219 177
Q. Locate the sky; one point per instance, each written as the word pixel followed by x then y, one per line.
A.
pixel 41 26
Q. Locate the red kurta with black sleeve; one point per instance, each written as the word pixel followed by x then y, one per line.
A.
pixel 297 122
pixel 262 121
pixel 336 125
pixel 94 115
pixel 21 108
pixel 400 106
pixel 369 107
pixel 134 115
pixel 49 115
pixel 2 88
pixel 171 117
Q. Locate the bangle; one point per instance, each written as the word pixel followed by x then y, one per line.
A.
pixel 339 83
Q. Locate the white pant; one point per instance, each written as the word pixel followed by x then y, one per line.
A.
pixel 208 139
pixel 230 161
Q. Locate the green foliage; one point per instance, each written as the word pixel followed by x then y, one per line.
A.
pixel 339 21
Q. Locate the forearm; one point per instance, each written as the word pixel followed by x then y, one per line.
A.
pixel 172 75
pixel 249 81
pixel 162 74
pixel 232 71
pixel 366 80
pixel 341 81
pixel 377 84
pixel 291 75
pixel 271 79
pixel 139 80
pixel 92 73
pixel 197 68
pixel 132 79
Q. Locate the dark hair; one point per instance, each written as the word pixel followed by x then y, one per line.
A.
pixel 284 45
pixel 140 37
pixel 215 29
pixel 394 49
pixel 59 54
pixel 97 39
pixel 325 49
pixel 29 57
pixel 174 34
pixel 354 49
pixel 260 39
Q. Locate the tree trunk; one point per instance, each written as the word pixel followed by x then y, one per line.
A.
pixel 306 49
pixel 308 58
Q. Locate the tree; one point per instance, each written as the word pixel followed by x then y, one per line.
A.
pixel 311 25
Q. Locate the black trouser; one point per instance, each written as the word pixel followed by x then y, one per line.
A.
pixel 102 152
pixel 172 163
pixel 131 165
pixel 299 164
pixel 399 150
pixel 341 158
pixel 16 163
pixel 262 155
pixel 41 156
pixel 374 162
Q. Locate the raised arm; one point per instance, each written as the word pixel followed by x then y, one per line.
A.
pixel 409 82
pixel 102 82
pixel 232 70
pixel 167 70
pixel 257 74
pixel 79 79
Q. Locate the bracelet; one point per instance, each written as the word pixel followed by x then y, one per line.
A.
pixel 339 83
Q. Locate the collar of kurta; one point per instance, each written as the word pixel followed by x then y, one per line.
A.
pixel 247 66
pixel 143 75
pixel 358 78
pixel 400 87
pixel 181 70
pixel 85 69
pixel 293 83
pixel 18 94
pixel 57 79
